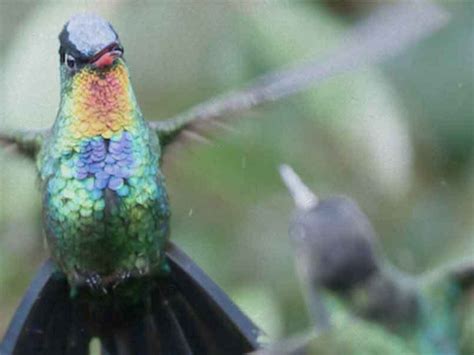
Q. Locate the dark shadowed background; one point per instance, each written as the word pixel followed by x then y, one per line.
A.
pixel 398 137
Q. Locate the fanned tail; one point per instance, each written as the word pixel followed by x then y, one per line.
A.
pixel 186 313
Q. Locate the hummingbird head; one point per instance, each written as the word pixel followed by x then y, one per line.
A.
pixel 96 93
pixel 88 41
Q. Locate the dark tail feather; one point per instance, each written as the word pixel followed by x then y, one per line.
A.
pixel 210 307
pixel 187 314
pixel 173 339
pixel 44 322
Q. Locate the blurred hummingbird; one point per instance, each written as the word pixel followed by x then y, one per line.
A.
pixel 105 207
pixel 358 302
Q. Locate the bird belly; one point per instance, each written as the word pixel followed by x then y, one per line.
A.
pixel 106 211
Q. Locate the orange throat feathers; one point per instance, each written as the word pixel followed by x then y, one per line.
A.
pixel 101 102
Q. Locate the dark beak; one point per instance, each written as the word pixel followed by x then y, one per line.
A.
pixel 107 56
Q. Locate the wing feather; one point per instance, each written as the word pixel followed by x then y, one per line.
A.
pixel 386 32
pixel 25 142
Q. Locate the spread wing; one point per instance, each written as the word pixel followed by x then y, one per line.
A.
pixel 26 142
pixel 386 32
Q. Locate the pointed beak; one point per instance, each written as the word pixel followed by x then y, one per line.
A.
pixel 107 56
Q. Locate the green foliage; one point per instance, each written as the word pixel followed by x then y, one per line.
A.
pixel 358 338
pixel 400 144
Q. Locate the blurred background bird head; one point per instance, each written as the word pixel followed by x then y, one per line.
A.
pixel 333 239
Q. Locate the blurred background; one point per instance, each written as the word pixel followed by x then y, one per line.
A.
pixel 397 137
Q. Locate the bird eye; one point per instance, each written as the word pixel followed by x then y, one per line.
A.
pixel 70 61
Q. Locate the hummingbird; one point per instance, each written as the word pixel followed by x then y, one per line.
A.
pixel 105 207
pixel 351 289
pixel 106 219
